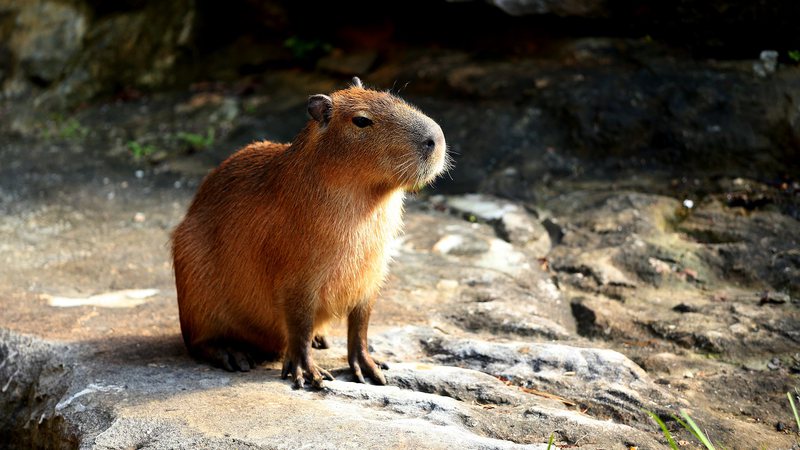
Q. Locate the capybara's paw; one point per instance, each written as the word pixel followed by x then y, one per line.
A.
pixel 229 358
pixel 320 342
pixel 364 366
pixel 299 369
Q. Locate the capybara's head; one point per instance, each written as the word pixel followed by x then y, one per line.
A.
pixel 377 138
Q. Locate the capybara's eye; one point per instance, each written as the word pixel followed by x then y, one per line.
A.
pixel 361 122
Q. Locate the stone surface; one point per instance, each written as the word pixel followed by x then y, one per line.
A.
pixel 555 108
pixel 45 37
pixel 570 112
pixel 639 301
pixel 582 8
pixel 76 50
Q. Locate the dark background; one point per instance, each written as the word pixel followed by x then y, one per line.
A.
pixel 543 88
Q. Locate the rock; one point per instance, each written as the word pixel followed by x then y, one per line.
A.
pixel 605 318
pixel 34 378
pixel 482 207
pixel 510 151
pixel 76 53
pixel 163 398
pixel 606 382
pixel 701 26
pixel 45 38
pixel 766 64
pixel 493 394
pixel 581 8
pixel 477 245
pixel 491 285
pixel 500 316
pixel 345 415
pixel 511 222
pixel 641 302
pixel 623 247
pixel 348 64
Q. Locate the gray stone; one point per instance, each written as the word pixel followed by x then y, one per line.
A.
pixel 75 53
pixel 516 151
pixel 608 382
pixel 510 220
pixel 582 8
pixel 348 64
pixel 766 64
pixel 46 37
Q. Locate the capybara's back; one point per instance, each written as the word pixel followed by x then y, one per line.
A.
pixel 213 248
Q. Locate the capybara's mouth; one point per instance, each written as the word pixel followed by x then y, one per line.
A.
pixel 430 167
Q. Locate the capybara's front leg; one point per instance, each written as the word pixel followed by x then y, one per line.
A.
pixel 357 351
pixel 298 362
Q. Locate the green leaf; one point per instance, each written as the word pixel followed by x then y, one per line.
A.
pixel 794 410
pixel 664 429
pixel 695 430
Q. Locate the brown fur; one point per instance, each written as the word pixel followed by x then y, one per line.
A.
pixel 281 238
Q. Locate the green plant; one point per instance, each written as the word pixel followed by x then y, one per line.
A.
pixel 307 48
pixel 688 424
pixel 664 429
pixel 198 141
pixel 550 442
pixel 140 151
pixel 60 127
pixel 694 429
pixel 794 55
pixel 72 129
pixel 794 409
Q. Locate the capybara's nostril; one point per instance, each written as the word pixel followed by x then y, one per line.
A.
pixel 427 148
pixel 430 138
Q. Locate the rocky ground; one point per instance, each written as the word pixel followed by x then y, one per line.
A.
pixel 593 296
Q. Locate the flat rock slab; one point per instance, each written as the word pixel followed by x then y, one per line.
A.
pixel 157 397
pixel 92 356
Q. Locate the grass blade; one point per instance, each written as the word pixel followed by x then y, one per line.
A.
pixel 696 431
pixel 664 429
pixel 794 410
pixel 550 442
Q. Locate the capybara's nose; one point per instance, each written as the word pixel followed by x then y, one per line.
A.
pixel 433 139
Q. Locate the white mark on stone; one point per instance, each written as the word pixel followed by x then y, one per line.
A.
pixel 483 207
pixel 91 388
pixel 446 244
pixel 502 257
pixel 13 354
pixel 549 288
pixel 127 298
pixel 446 285
pixel 8 383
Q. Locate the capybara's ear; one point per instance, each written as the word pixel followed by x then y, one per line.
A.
pixel 320 107
pixel 357 83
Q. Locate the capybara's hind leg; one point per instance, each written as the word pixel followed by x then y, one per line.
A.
pixel 320 342
pixel 227 355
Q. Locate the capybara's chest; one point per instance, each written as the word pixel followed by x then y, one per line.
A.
pixel 357 266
